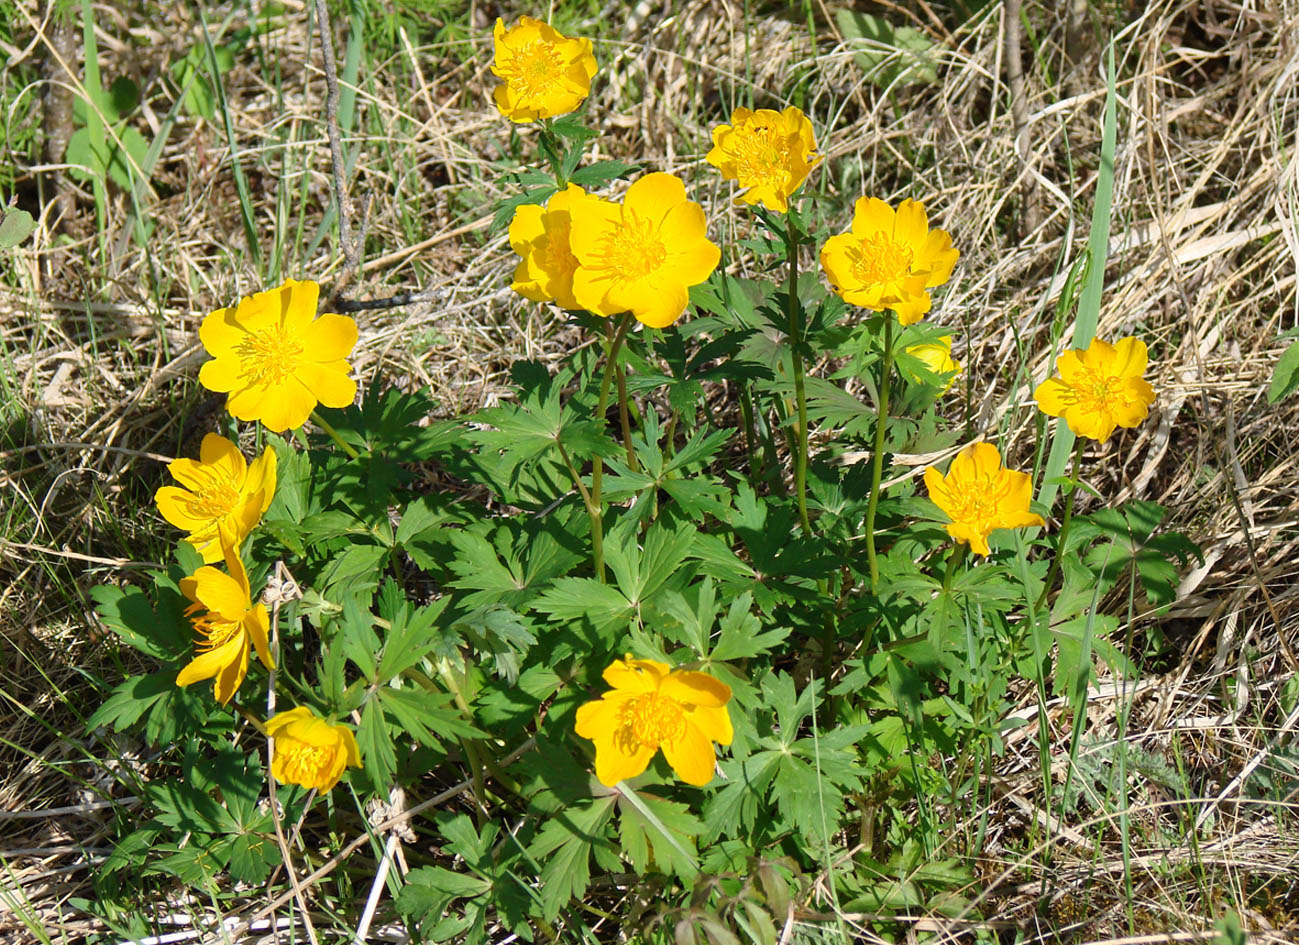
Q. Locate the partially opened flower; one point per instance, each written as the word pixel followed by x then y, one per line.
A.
pixel 979 496
pixel 642 255
pixel 541 236
pixel 890 259
pixel 309 751
pixel 227 623
pixel 937 356
pixel 767 151
pixel 653 706
pixel 1099 388
pixel 545 72
pixel 218 491
pixel 275 359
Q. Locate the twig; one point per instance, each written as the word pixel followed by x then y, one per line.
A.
pixel 1019 111
pixel 333 864
pixel 351 248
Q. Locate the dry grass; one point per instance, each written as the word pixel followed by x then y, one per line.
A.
pixel 99 352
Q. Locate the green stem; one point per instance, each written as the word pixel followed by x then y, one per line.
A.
pixel 800 394
pixel 594 506
pixel 624 417
pixel 550 150
pixel 333 434
pixel 877 460
pixel 953 562
pixel 1064 523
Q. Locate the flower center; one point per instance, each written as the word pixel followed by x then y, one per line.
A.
pixel 975 502
pixel 214 630
pixel 269 355
pixel 216 497
pixel 536 68
pixel 302 763
pixel 880 259
pixel 634 250
pixel 760 155
pixel 1098 393
pixel 649 720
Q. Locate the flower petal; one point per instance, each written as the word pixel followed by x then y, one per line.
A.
pixel 329 338
pixel 691 688
pixel 715 723
pixel 613 764
pixel 636 675
pixel 329 382
pixel 653 196
pixel 691 756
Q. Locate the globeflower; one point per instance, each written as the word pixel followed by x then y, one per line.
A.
pixel 652 706
pixel 545 72
pixel 227 622
pixel 540 235
pixel 642 255
pixel 219 491
pixel 1099 388
pixel 768 152
pixel 937 356
pixel 980 496
pixel 890 259
pixel 309 751
pixel 275 359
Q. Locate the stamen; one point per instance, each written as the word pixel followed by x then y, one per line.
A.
pixel 269 355
pixel 880 259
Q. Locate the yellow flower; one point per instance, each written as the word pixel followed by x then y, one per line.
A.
pixel 650 707
pixel 979 496
pixel 309 751
pixel 545 72
pixel 1099 388
pixel 937 356
pixel 275 359
pixel 890 259
pixel 220 491
pixel 227 622
pixel 642 255
pixel 767 151
pixel 541 236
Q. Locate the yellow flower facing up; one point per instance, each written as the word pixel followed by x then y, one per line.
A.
pixel 540 235
pixel 227 623
pixel 1099 388
pixel 890 259
pixel 641 256
pixel 937 356
pixel 219 491
pixel 309 751
pixel 980 496
pixel 768 152
pixel 652 706
pixel 275 360
pixel 545 73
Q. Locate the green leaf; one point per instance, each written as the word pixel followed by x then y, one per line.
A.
pixel 566 841
pixel 742 636
pixel 15 226
pixel 375 744
pixel 411 633
pixel 130 699
pixel 161 632
pixel 888 54
pixel 574 598
pixel 425 716
pixel 659 833
pixel 1285 376
pixel 599 173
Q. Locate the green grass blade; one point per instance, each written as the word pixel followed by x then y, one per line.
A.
pixel 1089 304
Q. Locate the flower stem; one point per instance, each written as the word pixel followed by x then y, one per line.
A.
pixel 1065 522
pixel 953 562
pixel 333 434
pixel 595 506
pixel 550 150
pixel 796 331
pixel 624 418
pixel 877 460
